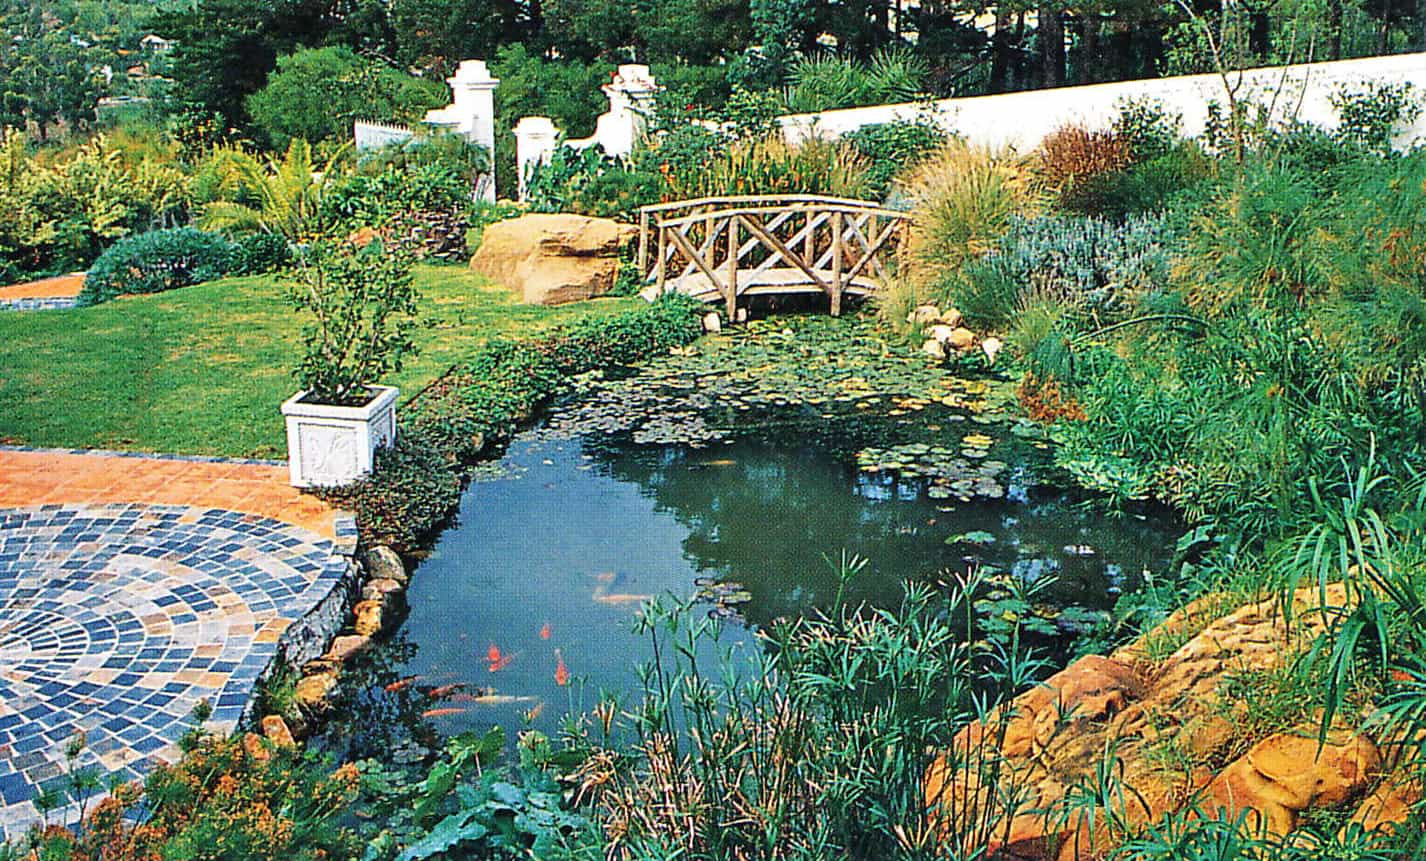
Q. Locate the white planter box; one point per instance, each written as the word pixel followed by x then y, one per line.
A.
pixel 329 445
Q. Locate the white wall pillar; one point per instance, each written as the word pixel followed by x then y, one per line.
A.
pixel 631 101
pixel 535 141
pixel 471 112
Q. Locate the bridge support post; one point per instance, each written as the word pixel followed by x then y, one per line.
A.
pixel 837 286
pixel 732 294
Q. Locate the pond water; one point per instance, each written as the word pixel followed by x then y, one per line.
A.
pixel 548 565
pixel 734 471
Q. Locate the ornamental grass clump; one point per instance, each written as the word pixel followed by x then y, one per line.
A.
pixel 963 199
pixel 361 302
pixel 770 165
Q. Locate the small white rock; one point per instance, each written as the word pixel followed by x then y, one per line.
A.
pixel 933 348
pixel 992 347
pixel 712 323
pixel 923 315
pixel 952 318
pixel 941 333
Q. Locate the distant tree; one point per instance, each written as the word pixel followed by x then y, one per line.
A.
pixel 224 49
pixel 315 94
pixel 438 34
pixel 648 31
pixel 48 74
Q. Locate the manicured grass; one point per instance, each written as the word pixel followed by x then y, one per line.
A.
pixel 202 370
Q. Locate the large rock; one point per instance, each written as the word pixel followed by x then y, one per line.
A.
pixel 1287 773
pixel 1132 707
pixel 551 259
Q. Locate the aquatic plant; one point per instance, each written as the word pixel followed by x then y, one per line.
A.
pixel 823 748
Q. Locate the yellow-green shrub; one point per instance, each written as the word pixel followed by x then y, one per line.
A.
pixel 769 165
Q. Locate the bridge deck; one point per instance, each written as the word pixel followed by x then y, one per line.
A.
pixel 753 282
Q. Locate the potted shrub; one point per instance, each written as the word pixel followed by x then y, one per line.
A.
pixel 361 302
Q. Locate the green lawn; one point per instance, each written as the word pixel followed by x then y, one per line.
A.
pixel 202 370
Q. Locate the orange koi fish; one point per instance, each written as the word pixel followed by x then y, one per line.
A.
pixel 400 684
pixel 444 691
pixel 495 660
pixel 534 712
pixel 561 671
pixel 434 713
pixel 545 631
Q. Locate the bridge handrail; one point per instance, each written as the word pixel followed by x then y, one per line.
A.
pixel 735 199
pixel 701 217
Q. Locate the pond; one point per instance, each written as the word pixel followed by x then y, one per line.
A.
pixel 700 479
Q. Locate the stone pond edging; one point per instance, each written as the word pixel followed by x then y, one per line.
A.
pixel 54 303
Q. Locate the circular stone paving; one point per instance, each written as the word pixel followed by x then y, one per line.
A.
pixel 117 620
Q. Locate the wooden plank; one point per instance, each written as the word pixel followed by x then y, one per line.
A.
pixel 732 296
pixel 663 269
pixel 837 285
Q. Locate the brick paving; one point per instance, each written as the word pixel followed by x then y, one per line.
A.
pixel 131 589
pixel 63 287
pixel 41 476
pixel 46 295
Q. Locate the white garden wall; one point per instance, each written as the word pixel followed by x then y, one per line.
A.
pixel 1022 120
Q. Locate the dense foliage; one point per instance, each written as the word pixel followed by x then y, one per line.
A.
pixel 156 261
pixel 316 94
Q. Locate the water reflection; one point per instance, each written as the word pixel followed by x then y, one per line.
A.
pixel 548 567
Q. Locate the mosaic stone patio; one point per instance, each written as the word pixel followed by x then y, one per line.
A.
pixel 117 619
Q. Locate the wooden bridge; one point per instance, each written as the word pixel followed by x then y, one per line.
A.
pixel 721 248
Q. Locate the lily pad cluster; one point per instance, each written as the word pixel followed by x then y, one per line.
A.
pixel 724 595
pixel 817 367
pixel 962 474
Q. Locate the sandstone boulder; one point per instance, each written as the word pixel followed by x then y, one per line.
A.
pixel 312 691
pixel 1285 774
pixel 275 730
pixel 551 259
pixel 380 590
pixel 923 315
pixel 961 339
pixel 383 563
pixel 367 618
pixel 345 647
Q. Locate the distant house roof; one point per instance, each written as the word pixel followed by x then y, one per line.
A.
pixel 155 42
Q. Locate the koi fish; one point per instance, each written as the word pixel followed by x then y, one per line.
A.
pixel 434 713
pixel 545 631
pixel 496 660
pixel 400 684
pixel 561 671
pixel 534 711
pixel 502 700
pixel 444 691
pixel 602 595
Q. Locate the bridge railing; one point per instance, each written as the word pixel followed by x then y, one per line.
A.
pixel 723 247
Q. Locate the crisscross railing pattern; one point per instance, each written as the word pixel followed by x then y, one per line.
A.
pixel 720 249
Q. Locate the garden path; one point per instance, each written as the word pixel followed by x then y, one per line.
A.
pixel 46 293
pixel 131 589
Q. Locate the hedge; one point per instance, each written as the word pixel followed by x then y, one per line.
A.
pixel 479 404
pixel 156 261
